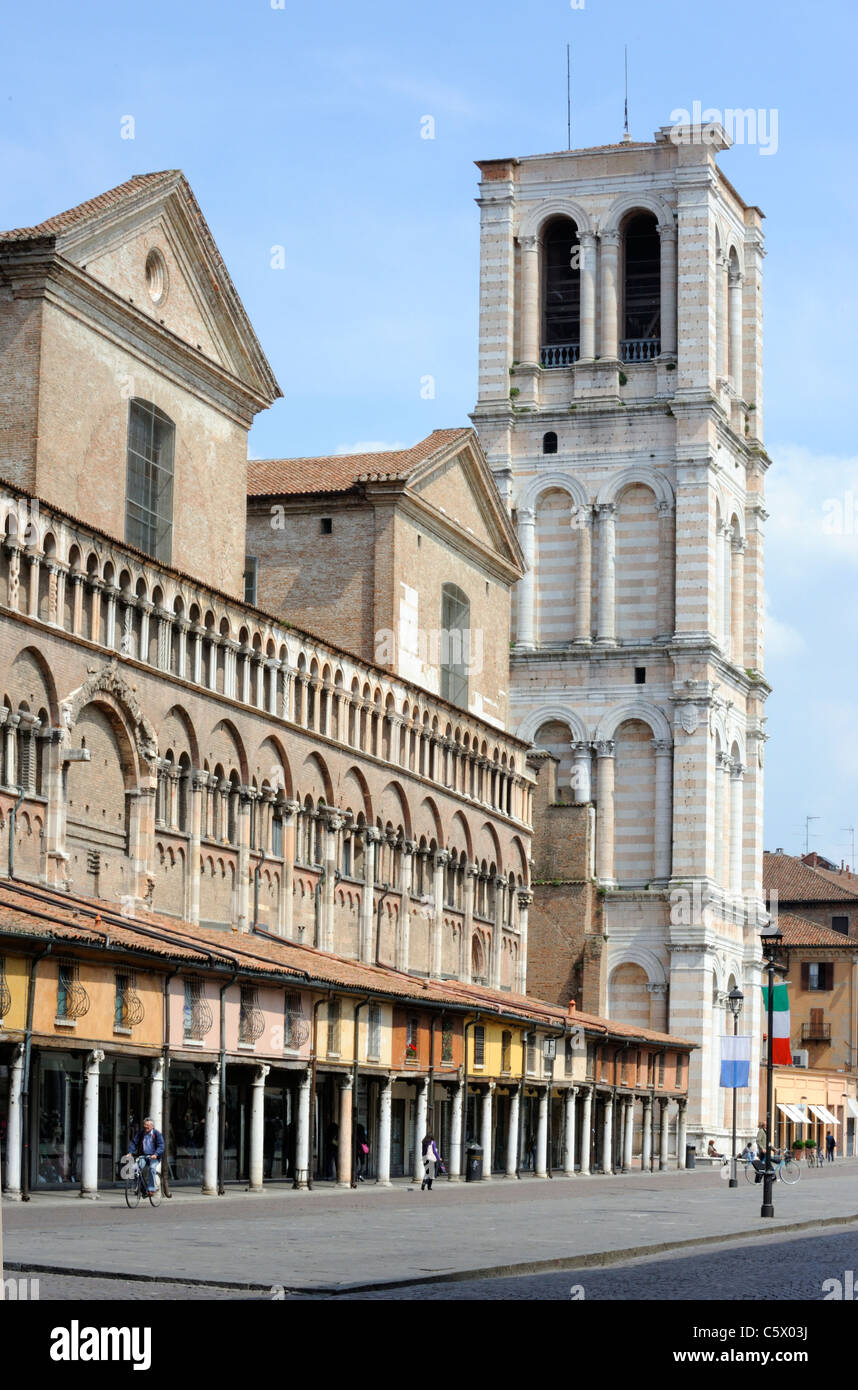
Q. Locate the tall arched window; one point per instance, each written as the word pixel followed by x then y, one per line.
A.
pixel 561 294
pixel 149 483
pixel 455 645
pixel 641 289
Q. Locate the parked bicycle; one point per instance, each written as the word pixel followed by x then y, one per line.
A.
pixel 786 1168
pixel 137 1188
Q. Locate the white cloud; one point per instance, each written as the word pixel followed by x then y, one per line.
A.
pixel 370 446
pixel 812 500
pixel 782 640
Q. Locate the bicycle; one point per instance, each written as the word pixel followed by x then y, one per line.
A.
pixel 138 1186
pixel 785 1169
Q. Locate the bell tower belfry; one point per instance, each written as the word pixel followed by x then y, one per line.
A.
pixel 620 407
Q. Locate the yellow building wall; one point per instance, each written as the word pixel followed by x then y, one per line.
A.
pixel 493 1050
pixel 17 975
pixel 97 1023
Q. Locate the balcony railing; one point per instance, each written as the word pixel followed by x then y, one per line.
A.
pixel 816 1032
pixel 640 349
pixel 559 355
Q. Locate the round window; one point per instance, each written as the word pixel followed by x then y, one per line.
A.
pixel 156 276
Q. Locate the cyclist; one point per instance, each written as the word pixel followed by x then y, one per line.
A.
pixel 760 1163
pixel 147 1148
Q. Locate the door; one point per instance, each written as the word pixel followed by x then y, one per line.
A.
pixel 397 1139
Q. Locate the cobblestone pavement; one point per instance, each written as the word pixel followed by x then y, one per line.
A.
pixel 772 1268
pixel 330 1240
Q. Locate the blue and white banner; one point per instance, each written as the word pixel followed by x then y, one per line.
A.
pixel 735 1061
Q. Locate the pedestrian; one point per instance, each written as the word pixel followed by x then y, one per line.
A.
pixel 529 1149
pixel 431 1160
pixel 332 1143
pixel 361 1152
pixel 830 1146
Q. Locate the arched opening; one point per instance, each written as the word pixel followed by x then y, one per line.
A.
pixel 641 339
pixel 561 293
pixel 549 442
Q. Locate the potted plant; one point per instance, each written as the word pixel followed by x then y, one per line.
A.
pixel 797 1147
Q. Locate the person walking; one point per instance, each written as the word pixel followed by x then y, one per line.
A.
pixel 332 1146
pixel 361 1152
pixel 431 1160
pixel 830 1146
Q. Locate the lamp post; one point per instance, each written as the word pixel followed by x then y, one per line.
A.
pixel 735 1000
pixel 771 942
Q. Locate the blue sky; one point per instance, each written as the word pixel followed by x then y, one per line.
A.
pixel 300 127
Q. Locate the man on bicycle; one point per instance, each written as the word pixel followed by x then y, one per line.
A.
pixel 147 1147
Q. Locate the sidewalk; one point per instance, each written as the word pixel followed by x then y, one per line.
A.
pixel 337 1239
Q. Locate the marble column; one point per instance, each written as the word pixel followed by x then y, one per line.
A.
pixel 608 1135
pixel 582 757
pixel 526 623
pixel 667 233
pixel 13 1126
pixel 345 1157
pixel 89 1165
pixel 582 530
pixel 610 314
pixel 385 1101
pixel 542 1133
pixel 681 1133
pixel 737 774
pixel 569 1132
pixel 420 1122
pixel 156 1092
pixel 257 1128
pixel 663 809
pixel 628 1133
pixel 587 263
pixel 605 810
pixel 456 1159
pixel 302 1138
pixel 529 300
pixel 736 347
pixel 586 1126
pixel 664 1141
pixel 646 1138
pixel 486 1130
pixel 211 1132
pixel 606 621
pixel 512 1135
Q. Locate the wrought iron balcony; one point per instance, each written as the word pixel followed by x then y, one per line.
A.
pixel 251 1020
pixel 129 1011
pixel 816 1032
pixel 559 355
pixel 640 349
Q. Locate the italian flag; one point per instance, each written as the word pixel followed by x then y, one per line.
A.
pixel 781 1050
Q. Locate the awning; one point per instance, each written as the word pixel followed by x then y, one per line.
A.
pixel 824 1115
pixel 793 1113
pixel 853 1105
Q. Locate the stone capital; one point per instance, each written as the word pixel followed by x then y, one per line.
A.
pixel 605 748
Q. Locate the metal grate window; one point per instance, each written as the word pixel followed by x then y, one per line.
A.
pixel 72 998
pixel 5 993
pixel 296 1026
pixel 373 1032
pixel 128 1007
pixel 198 1014
pixel 251 1020
pixel 149 485
pixel 479 1046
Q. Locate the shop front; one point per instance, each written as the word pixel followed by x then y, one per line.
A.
pixel 279 1132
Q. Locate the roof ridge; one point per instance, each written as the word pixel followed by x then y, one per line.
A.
pixel 70 217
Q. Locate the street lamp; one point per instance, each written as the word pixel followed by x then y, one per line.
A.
pixel 771 942
pixel 735 1000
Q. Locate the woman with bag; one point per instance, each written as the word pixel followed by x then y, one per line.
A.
pixel 431 1160
pixel 361 1152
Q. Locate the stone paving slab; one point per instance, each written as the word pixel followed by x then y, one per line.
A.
pixel 332 1239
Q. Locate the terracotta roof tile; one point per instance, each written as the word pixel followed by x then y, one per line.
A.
pixel 796 882
pixel 798 931
pixel 61 222
pixel 342 472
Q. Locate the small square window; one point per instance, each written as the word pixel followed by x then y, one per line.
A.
pixel 640 675
pixel 326 525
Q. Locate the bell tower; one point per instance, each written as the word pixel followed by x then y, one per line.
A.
pixel 620 408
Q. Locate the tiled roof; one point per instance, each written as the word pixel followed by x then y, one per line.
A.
pixel 798 931
pixel 844 877
pixel 798 883
pixel 63 221
pixel 341 472
pixel 36 911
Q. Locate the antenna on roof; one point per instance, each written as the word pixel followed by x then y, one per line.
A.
pixel 626 135
pixel 807 821
pixel 850 830
pixel 568 96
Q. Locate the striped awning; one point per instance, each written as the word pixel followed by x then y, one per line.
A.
pixel 824 1115
pixel 852 1105
pixel 793 1113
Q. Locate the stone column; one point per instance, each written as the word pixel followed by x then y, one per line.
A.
pixel 610 314
pixel 199 783
pixel 666 569
pixel 456 1158
pixel 606 622
pixel 664 1141
pixel 605 810
pixel 512 1135
pixel 345 1156
pixel 737 773
pixel 737 624
pixel 663 808
pixel 89 1165
pixel 34 562
pixel 197 672
pixel 13 1129
pixel 667 233
pixel 367 902
pixel 471 876
pixel 436 927
pixel 526 623
pixel 257 1128
pixel 542 1133
pixel 582 756
pixel 302 1138
pixel 628 1133
pixel 529 300
pixel 333 825
pixel 723 346
pixel 486 1130
pixel 735 298
pixel 586 1125
pixel 501 887
pixel 587 263
pixel 569 1132
pixel 76 580
pixel 681 1133
pixel 608 1136
pixel 420 1121
pixel 582 529
pixel 525 898
pixel 385 1099
pixel 403 944
pixel 211 1132
pixel 646 1138
pixel 146 611
pixel 156 1092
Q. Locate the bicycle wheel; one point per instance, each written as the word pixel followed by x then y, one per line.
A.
pixel 750 1173
pixel 789 1171
pixel 132 1192
pixel 155 1197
